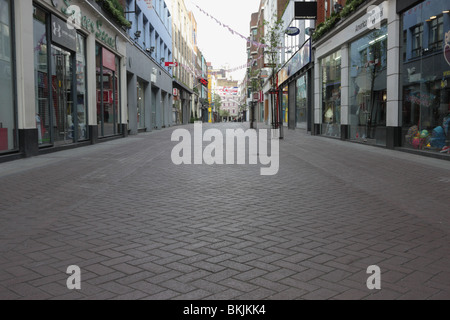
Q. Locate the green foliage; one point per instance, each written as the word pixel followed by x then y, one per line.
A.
pixel 350 7
pixel 116 10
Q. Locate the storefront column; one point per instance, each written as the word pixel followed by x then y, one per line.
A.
pixel 26 104
pixel 345 71
pixel 92 88
pixel 394 100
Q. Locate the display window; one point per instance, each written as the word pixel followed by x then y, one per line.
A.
pixel 60 81
pixel 285 106
pixel 108 113
pixel 368 88
pixel 331 94
pixel 8 133
pixel 425 82
pixel 140 104
pixel 301 103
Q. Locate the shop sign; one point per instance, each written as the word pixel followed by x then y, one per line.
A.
pixel 305 10
pixel 77 20
pixel 292 31
pixel 258 96
pixel 372 20
pixel 109 60
pixel 62 35
pixel 171 64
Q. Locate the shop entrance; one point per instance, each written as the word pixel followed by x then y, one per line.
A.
pixel 64 129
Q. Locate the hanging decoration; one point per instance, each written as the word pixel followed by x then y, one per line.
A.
pixel 234 32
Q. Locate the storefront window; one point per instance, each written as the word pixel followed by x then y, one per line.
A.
pixel 426 76
pixel 8 135
pixel 368 83
pixel 81 89
pixel 331 95
pixel 285 106
pixel 301 103
pixel 107 65
pixel 140 105
pixel 41 76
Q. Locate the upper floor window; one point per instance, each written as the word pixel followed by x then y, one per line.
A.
pixel 436 37
pixel 417 40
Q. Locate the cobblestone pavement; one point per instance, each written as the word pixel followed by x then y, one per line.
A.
pixel 140 227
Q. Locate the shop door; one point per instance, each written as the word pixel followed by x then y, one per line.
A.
pixel 64 128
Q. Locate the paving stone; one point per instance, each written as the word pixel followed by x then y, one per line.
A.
pixel 140 227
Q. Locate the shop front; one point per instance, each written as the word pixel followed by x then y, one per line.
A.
pixel 331 94
pixel 78 74
pixel 368 87
pixel 8 132
pixel 425 82
pixel 294 83
pixel 353 99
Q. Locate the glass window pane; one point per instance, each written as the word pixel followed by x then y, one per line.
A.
pixel 81 103
pixel 368 88
pixel 8 135
pixel 426 80
pixel 331 95
pixel 43 120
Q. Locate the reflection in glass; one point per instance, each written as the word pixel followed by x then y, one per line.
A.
pixel 8 134
pixel 285 106
pixel 302 94
pixel 81 101
pixel 43 121
pixel 426 77
pixel 140 105
pixel 331 95
pixel 368 83
pixel 107 83
pixel 63 128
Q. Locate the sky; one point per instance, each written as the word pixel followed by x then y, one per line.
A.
pixel 217 44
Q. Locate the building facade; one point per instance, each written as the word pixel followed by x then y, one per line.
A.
pixel 183 82
pixel 67 78
pixel 381 76
pixel 149 80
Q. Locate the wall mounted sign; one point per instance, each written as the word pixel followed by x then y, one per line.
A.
pixel 76 19
pixel 305 10
pixel 109 59
pixel 62 35
pixel 292 31
pixel 171 64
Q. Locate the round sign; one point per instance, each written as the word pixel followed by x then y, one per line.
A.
pixel 292 31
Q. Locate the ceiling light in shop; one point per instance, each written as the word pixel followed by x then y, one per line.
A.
pixel 433 17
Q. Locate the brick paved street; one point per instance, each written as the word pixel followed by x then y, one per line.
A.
pixel 140 227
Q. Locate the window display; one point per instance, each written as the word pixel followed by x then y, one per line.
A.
pixel 331 95
pixel 8 134
pixel 107 92
pixel 301 103
pixel 426 76
pixel 368 87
